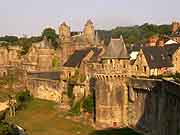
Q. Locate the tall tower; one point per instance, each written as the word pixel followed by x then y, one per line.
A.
pixel 89 32
pixel 64 33
pixel 111 88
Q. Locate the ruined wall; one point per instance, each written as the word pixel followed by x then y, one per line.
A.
pixel 111 98
pixel 154 107
pixel 45 89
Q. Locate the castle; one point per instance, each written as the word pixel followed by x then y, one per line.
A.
pixel 118 78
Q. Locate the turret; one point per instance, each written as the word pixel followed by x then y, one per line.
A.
pixel 89 32
pixel 64 33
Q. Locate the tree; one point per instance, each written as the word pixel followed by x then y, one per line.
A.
pixel 88 104
pixel 50 34
pixel 10 39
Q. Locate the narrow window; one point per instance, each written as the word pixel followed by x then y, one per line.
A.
pixel 137 67
pixel 145 69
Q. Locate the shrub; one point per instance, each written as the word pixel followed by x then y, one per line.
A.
pixel 23 98
pixel 76 108
pixel 88 104
pixel 70 90
pixel 7 129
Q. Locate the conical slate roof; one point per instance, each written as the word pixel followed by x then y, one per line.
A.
pixel 116 49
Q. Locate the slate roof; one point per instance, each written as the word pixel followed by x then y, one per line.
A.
pixel 157 57
pixel 97 52
pixel 116 49
pixel 75 59
pixel 46 75
pixel 171 48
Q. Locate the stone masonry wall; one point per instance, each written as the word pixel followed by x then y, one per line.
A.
pixel 45 89
pixel 154 109
pixel 111 97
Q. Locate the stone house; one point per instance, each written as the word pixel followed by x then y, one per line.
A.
pixel 76 67
pixel 173 51
pixel 151 61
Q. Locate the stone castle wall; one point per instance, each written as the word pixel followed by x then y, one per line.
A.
pixel 152 106
pixel 111 98
pixel 45 89
pixel 155 110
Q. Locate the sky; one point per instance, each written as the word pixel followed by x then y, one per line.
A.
pixel 30 17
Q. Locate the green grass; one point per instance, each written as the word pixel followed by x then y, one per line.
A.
pixel 41 118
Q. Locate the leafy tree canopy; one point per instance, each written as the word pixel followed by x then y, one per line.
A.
pixel 50 34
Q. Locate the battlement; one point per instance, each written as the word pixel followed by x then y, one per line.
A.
pixel 116 70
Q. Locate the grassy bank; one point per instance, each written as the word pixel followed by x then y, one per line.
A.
pixel 41 118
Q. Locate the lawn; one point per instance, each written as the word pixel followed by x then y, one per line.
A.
pixel 41 118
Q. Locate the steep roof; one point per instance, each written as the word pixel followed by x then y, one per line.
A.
pixel 157 57
pixel 96 55
pixel 75 59
pixel 171 48
pixel 116 49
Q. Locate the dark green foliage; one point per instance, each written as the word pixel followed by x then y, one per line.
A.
pixel 135 34
pixel 104 35
pixel 70 87
pixel 177 76
pixel 9 39
pixel 23 98
pixel 50 34
pixel 36 39
pixel 76 108
pixel 88 104
pixel 7 129
pixel 25 43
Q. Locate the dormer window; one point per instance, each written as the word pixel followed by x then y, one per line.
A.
pixel 145 69
pixel 137 67
pixel 152 58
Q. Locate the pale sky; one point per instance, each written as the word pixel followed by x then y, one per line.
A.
pixel 30 17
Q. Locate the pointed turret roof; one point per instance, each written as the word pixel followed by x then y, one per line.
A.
pixel 116 49
pixel 89 22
